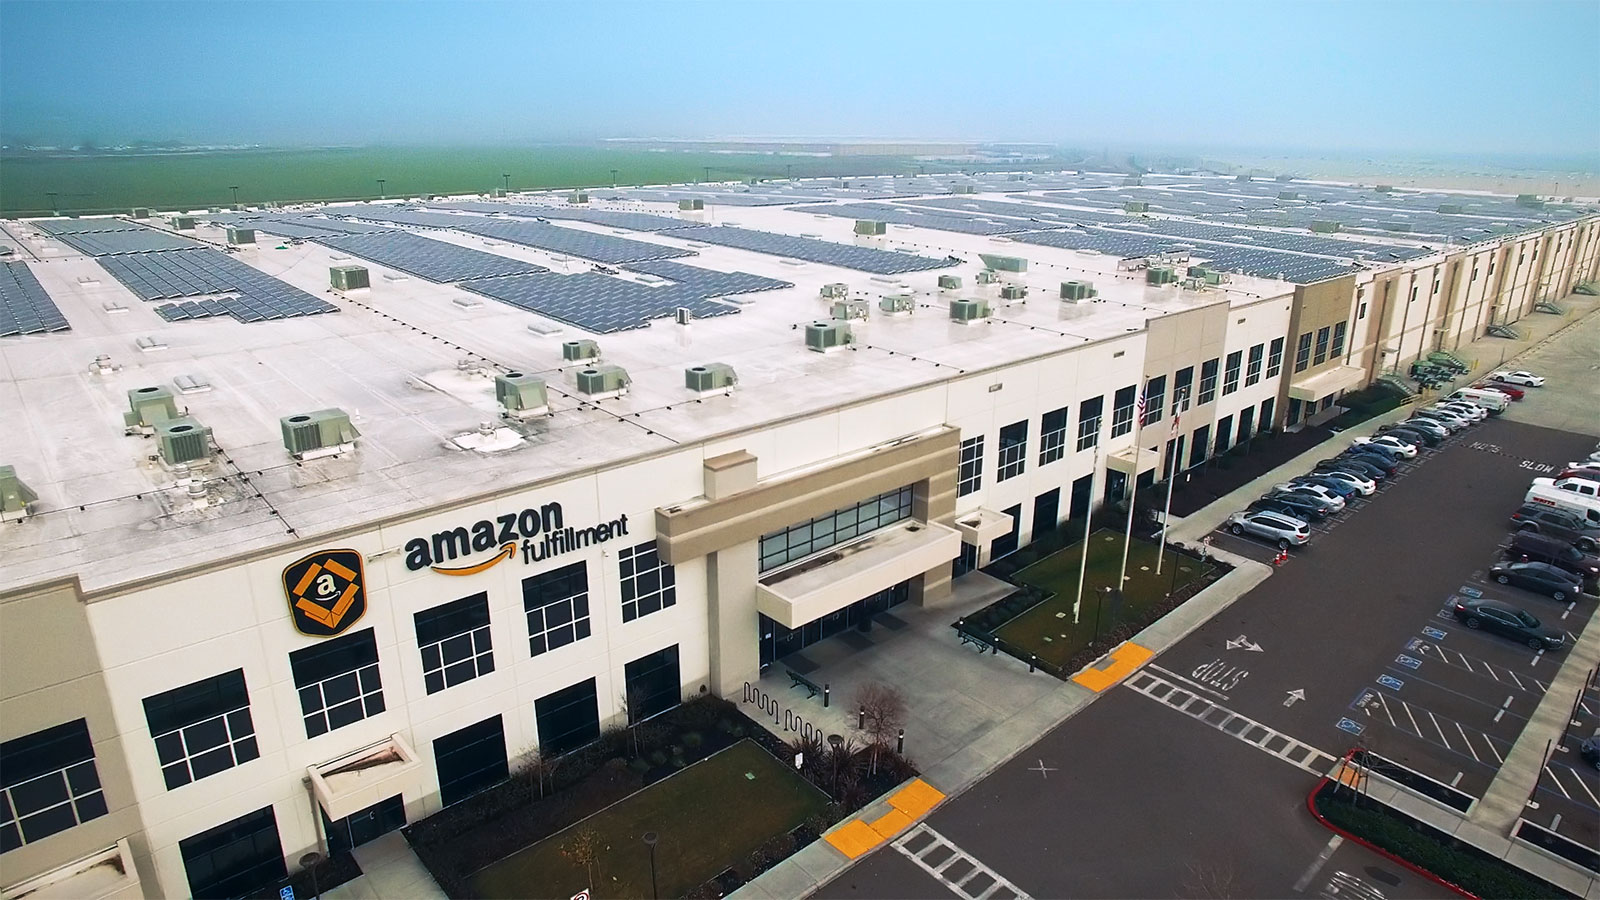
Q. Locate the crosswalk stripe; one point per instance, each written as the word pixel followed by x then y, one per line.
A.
pixel 940 842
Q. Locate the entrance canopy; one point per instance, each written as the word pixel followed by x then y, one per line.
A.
pixel 1326 382
pixel 841 575
pixel 364 777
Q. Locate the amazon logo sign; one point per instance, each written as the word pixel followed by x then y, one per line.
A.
pixel 535 534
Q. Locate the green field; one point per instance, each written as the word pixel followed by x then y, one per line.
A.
pixel 91 184
pixel 1047 629
pixel 709 816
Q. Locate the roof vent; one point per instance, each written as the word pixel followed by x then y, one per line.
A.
pixel 897 304
pixel 826 337
pixel 850 309
pixel 601 382
pixel 578 351
pixel 184 441
pixel 521 396
pixel 836 291
pixel 103 365
pixel 326 432
pixel 966 312
pixel 1078 291
pixel 710 377
pixel 949 282
pixel 14 495
pixel 148 407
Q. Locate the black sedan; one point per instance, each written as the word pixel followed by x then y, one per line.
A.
pixel 1541 578
pixel 1413 435
pixel 1299 506
pixel 1387 463
pixel 1349 464
pixel 1512 621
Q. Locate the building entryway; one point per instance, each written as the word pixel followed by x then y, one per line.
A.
pixel 778 641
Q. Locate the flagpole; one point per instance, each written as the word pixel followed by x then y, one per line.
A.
pixel 1088 526
pixel 1133 493
pixel 1166 515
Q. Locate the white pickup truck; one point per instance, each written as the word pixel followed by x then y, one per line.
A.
pixel 1576 495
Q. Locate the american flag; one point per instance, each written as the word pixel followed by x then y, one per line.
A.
pixel 1139 407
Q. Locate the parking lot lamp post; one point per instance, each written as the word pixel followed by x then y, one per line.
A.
pixel 836 742
pixel 650 838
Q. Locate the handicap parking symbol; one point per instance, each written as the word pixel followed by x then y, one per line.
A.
pixel 1351 726
pixel 1434 633
pixel 1390 682
pixel 1408 662
pixel 1468 590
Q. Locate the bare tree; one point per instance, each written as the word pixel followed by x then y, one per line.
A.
pixel 633 704
pixel 583 849
pixel 533 766
pixel 1210 880
pixel 884 713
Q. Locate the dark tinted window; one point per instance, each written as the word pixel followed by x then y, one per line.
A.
pixel 48 783
pixel 234 858
pixel 652 684
pixel 567 719
pixel 470 760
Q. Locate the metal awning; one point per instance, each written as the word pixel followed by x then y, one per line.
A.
pixel 1122 460
pixel 107 873
pixel 1326 382
pixel 841 575
pixel 981 526
pixel 361 778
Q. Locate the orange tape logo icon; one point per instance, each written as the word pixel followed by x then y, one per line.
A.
pixel 326 592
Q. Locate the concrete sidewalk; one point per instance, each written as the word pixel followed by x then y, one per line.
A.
pixel 391 871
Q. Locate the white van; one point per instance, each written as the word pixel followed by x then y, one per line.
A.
pixel 1546 492
pixel 1494 401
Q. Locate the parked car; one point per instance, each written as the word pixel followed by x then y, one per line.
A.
pixel 1464 410
pixel 1275 527
pixel 1387 463
pixel 1526 545
pixel 1412 434
pixel 1316 490
pixel 1351 464
pixel 1364 486
pixel 1587 473
pixel 1559 524
pixel 1492 402
pixel 1428 425
pixel 1518 376
pixel 1306 499
pixel 1583 487
pixel 1589 750
pixel 1541 578
pixel 1570 501
pixel 1515 393
pixel 1344 489
pixel 1295 507
pixel 1511 621
pixel 1388 442
pixel 1448 422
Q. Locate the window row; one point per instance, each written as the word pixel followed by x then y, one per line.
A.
pixel 781 547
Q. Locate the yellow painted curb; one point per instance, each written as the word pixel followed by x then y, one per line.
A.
pixel 1124 660
pixel 916 798
pixel 854 838
pixel 891 823
pixel 857 837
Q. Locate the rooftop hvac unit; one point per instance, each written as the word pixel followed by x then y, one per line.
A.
pixel 1197 272
pixel 1160 275
pixel 897 304
pixel 140 212
pixel 1077 291
pixel 1285 179
pixel 987 277
pixel 349 278
pixel 1194 284
pixel 521 396
pixel 691 205
pixel 183 441
pixel 1212 276
pixel 1322 227
pixel 870 228
pixel 238 236
pixel 964 189
pixel 1384 188
pixel 1242 179
pixel 710 377
pixel 965 311
pixel 1004 263
pixel 850 309
pixel 577 351
pixel 1132 181
pixel 149 407
pixel 603 381
pixel 326 432
pixel 14 495
pixel 949 282
pixel 1395 226
pixel 1288 195
pixel 181 223
pixel 1450 209
pixel 1136 206
pixel 578 197
pixel 824 337
pixel 835 291
pixel 1529 200
pixel 1013 292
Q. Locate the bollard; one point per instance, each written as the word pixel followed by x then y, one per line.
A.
pixel 861 718
pixel 900 743
pixel 825 696
pixel 1033 660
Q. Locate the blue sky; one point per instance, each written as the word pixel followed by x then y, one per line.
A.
pixel 1414 76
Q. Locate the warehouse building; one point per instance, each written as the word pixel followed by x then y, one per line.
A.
pixel 308 538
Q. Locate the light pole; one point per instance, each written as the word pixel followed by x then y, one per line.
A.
pixel 708 174
pixel 788 171
pixel 650 838
pixel 507 177
pixel 381 194
pixel 836 742
pixel 235 189
pixel 311 861
pixel 55 207
pixel 613 177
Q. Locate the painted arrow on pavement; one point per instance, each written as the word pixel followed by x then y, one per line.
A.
pixel 1296 694
pixel 1242 641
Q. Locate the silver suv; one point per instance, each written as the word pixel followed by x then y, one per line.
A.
pixel 1278 528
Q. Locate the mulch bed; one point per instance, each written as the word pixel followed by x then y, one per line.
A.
pixel 1223 475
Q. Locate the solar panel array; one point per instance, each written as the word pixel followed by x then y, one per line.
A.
pixel 196 273
pixel 1299 243
pixel 633 221
pixel 25 308
pixel 595 302
pixel 1293 267
pixel 427 258
pixel 296 226
pixel 1039 214
pixel 905 215
pixel 85 226
pixel 603 248
pixel 140 240
pixel 864 259
pixel 709 282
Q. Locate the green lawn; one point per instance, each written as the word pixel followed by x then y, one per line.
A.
pixel 1047 629
pixel 709 816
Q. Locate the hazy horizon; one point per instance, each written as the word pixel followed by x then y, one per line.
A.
pixel 1469 78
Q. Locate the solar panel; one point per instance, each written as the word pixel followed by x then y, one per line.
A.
pixel 85 226
pixel 905 215
pixel 190 273
pixel 25 307
pixel 139 240
pixel 709 282
pixel 863 259
pixel 427 258
pixel 602 248
pixel 595 302
pixel 633 221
